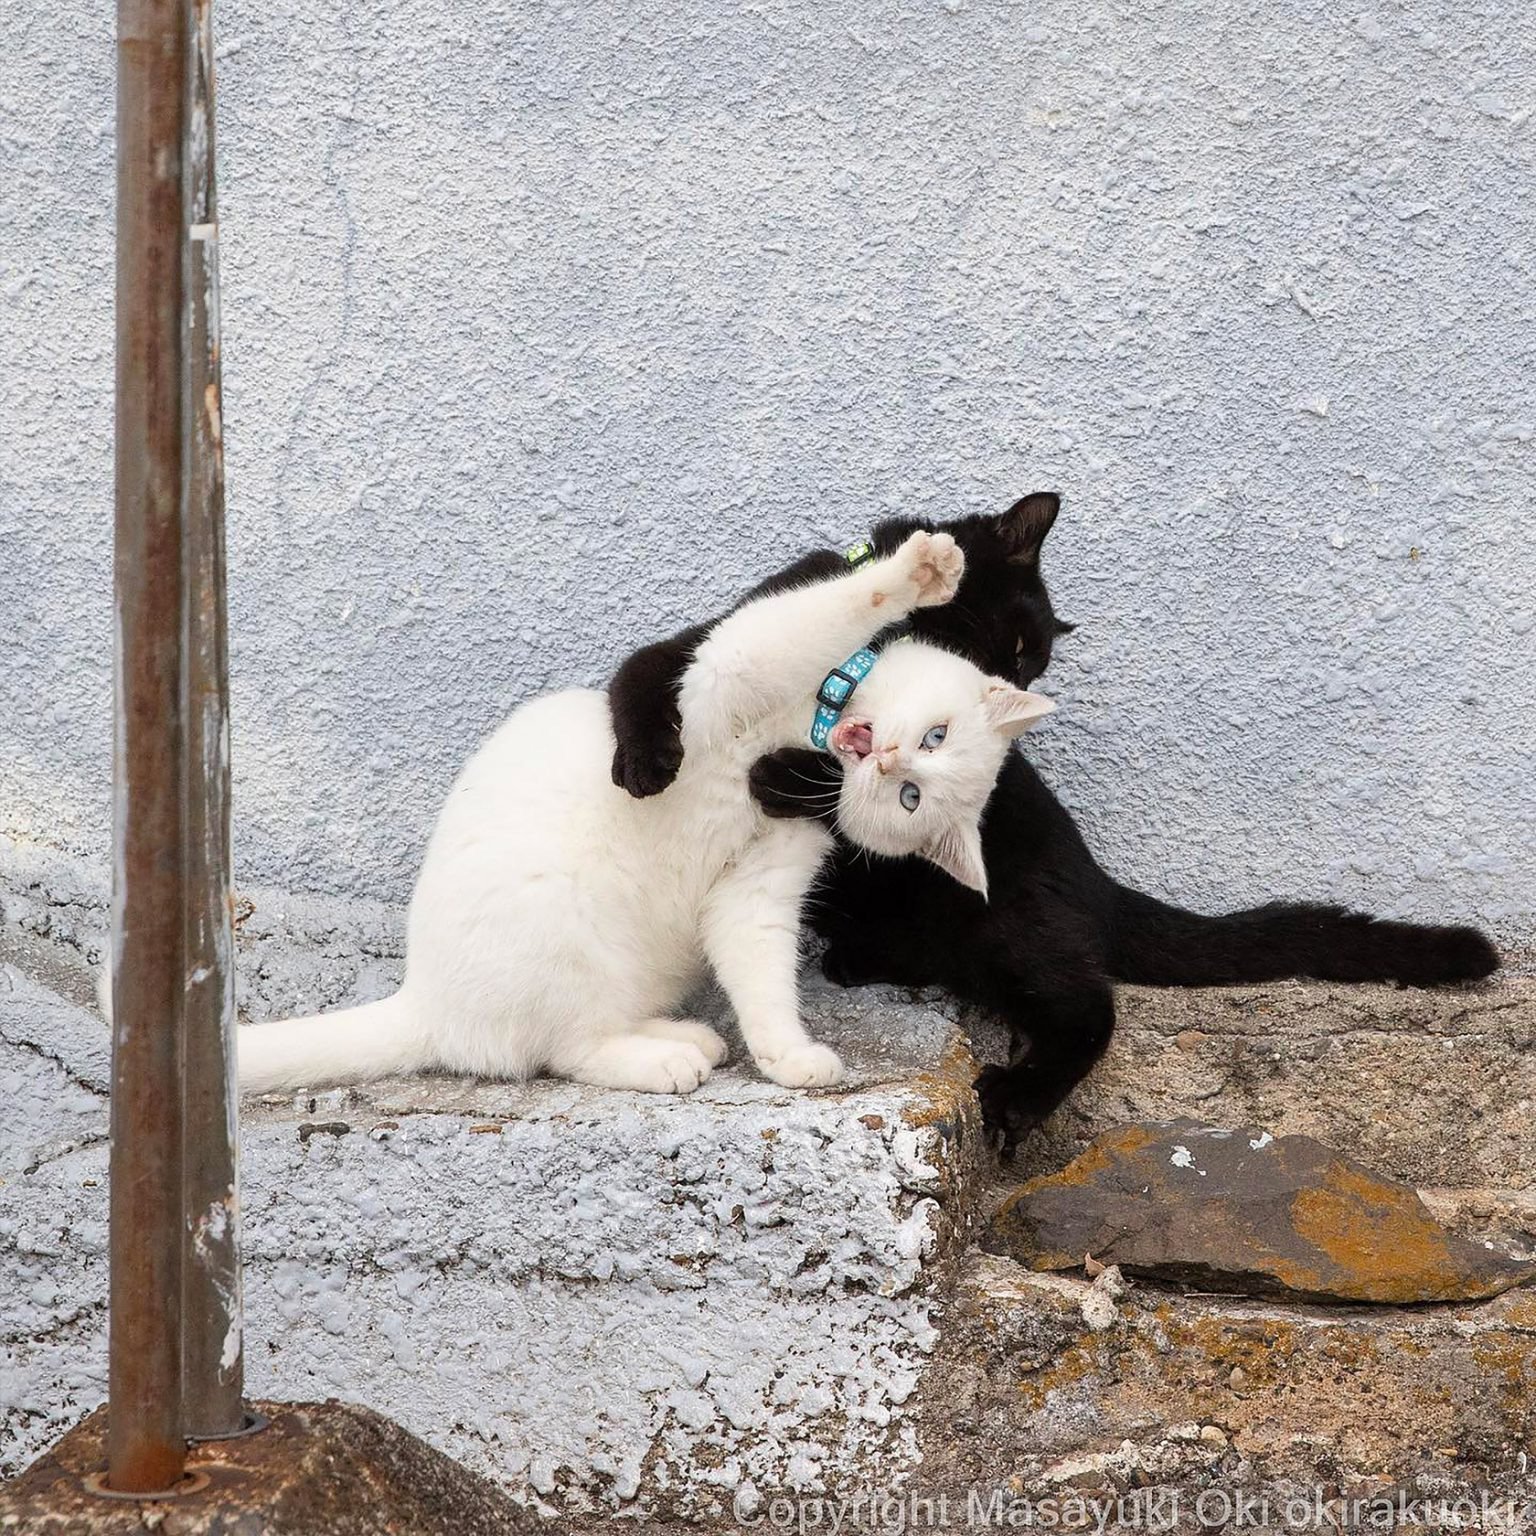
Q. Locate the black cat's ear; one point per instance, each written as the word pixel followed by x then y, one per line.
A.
pixel 1024 525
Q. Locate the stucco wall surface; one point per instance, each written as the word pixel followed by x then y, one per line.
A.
pixel 549 326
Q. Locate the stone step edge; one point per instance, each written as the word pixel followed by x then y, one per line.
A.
pixel 1045 1384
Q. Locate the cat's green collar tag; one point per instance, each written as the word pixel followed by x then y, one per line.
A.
pixel 836 689
pixel 859 554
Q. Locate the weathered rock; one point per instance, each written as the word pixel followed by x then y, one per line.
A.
pixel 1244 1211
pixel 1266 1399
pixel 317 1469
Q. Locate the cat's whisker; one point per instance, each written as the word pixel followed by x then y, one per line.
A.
pixel 807 778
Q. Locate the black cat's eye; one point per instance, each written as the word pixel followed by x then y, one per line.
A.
pixel 911 795
pixel 935 738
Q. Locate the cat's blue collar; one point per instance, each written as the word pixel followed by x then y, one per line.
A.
pixel 836 690
pixel 838 685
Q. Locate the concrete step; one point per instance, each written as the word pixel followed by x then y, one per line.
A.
pixel 604 1301
pixel 672 1307
pixel 1039 1390
pixel 1436 1088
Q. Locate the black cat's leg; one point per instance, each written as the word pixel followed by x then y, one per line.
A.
pixel 888 920
pixel 642 703
pixel 1058 1036
pixel 867 960
pixel 642 697
pixel 875 932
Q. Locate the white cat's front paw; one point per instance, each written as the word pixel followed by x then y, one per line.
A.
pixel 807 1065
pixel 678 1069
pixel 709 1044
pixel 642 1062
pixel 933 563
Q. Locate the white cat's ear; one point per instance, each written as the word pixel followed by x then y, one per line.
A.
pixel 958 853
pixel 1011 711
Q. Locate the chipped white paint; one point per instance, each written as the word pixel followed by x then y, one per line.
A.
pixel 229 1350
pixel 208 1230
pixel 915 1149
pixel 211 1226
pixel 1182 1157
pixel 1262 1140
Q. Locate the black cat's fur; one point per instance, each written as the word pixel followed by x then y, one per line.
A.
pixel 1043 949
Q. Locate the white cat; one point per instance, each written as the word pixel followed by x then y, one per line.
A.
pixel 557 922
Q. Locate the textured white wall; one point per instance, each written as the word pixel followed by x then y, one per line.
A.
pixel 550 326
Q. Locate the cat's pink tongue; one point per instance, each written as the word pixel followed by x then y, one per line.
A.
pixel 853 737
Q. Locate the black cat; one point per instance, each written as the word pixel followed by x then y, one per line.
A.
pixel 1043 949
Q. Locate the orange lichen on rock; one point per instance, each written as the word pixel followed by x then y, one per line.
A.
pixel 1378 1233
pixel 1243 1210
pixel 944 1091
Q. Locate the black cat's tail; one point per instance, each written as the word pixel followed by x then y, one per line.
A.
pixel 1163 946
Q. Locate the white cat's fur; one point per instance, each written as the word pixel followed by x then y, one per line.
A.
pixel 557 923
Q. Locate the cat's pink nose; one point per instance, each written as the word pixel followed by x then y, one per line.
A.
pixel 887 758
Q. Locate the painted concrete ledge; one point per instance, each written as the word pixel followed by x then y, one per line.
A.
pixel 1437 1088
pixel 603 1301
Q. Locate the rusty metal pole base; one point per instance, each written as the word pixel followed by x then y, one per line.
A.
pixel 318 1469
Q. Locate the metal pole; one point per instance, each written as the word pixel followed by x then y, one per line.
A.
pixel 212 1356
pixel 145 1446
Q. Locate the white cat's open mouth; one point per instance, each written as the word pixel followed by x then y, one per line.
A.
pixel 853 740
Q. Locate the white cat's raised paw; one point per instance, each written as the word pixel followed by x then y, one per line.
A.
pixel 935 564
pixel 804 1066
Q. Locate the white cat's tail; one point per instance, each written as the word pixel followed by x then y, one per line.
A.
pixel 352 1045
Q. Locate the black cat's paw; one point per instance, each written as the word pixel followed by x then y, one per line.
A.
pixel 1006 1118
pixel 643 771
pixel 844 967
pixel 794 784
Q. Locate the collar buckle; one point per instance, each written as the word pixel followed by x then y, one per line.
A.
pixel 836 688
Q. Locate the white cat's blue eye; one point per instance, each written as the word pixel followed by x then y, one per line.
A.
pixel 935 737
pixel 911 795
